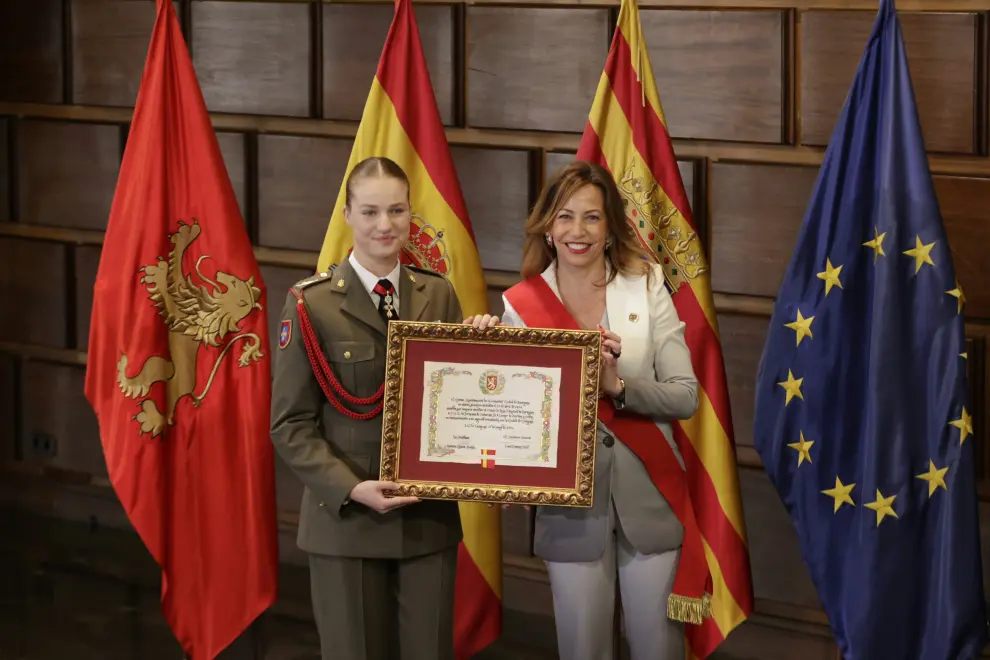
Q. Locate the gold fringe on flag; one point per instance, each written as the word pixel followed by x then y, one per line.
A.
pixel 689 610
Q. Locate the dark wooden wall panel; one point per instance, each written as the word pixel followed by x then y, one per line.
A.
pixel 67 173
pixel 984 513
pixel 965 206
pixel 296 640
pixel 156 641
pixel 353 36
pixel 34 305
pixel 233 149
pixel 8 406
pixel 517 530
pixel 942 56
pixel 554 162
pixel 31 51
pixel 770 639
pixel 495 184
pixel 4 170
pixel 719 73
pixel 532 613
pixel 95 634
pixel 779 573
pixel 756 214
pixel 978 382
pixel 496 305
pixel 742 344
pixel 253 57
pixel 55 406
pixel 87 261
pixel 511 81
pixel 690 176
pixel 298 180
pixel 109 46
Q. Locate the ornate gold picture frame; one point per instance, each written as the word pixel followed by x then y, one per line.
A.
pixel 502 415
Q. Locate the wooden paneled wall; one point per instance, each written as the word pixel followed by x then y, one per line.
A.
pixel 750 88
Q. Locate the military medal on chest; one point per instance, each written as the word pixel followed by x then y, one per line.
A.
pixel 386 306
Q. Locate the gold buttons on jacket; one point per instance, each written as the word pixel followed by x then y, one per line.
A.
pixel 347 355
pixel 634 317
pixel 322 504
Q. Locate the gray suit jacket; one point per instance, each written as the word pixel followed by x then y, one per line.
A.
pixel 660 383
pixel 330 452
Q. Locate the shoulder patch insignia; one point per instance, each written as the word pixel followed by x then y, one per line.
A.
pixel 285 333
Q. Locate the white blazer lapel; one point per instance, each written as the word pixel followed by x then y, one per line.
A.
pixel 629 317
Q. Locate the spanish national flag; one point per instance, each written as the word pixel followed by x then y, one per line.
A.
pixel 627 134
pixel 401 122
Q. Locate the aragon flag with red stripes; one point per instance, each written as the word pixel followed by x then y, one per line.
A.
pixel 178 364
pixel 627 134
pixel 401 122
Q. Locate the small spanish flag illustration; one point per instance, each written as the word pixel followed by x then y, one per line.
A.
pixel 485 461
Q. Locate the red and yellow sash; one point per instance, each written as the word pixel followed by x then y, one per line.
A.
pixel 690 600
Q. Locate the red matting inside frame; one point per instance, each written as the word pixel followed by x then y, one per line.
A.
pixel 569 360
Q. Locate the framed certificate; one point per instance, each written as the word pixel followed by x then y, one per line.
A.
pixel 504 414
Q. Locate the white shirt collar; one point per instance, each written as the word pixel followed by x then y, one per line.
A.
pixel 369 279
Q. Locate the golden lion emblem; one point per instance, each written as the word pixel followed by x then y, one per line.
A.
pixel 195 317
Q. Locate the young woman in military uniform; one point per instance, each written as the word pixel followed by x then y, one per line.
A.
pixel 381 569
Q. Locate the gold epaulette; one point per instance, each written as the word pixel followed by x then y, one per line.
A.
pixel 323 276
pixel 425 271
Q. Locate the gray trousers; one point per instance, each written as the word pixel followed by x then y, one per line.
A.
pixel 384 609
pixel 584 602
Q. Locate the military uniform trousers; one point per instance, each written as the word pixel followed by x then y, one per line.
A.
pixel 417 593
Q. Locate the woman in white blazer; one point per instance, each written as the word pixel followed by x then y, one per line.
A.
pixel 579 242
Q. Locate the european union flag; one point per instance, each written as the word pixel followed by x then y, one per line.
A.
pixel 861 403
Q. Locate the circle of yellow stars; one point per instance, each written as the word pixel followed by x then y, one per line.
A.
pixel 841 493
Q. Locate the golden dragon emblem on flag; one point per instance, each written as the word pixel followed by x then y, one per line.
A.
pixel 196 318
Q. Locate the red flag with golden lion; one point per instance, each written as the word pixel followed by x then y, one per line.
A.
pixel 178 365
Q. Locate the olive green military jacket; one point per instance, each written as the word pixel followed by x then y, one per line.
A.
pixel 330 452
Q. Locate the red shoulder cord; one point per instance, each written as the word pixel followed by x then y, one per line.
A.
pixel 323 373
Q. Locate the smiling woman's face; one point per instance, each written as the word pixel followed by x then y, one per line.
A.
pixel 379 217
pixel 579 229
